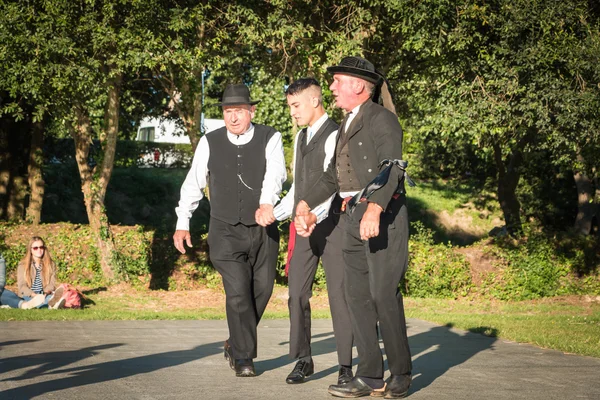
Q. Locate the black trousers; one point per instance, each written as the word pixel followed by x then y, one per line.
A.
pixel 325 243
pixel 374 269
pixel 246 258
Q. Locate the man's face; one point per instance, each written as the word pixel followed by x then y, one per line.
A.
pixel 238 117
pixel 343 91
pixel 302 107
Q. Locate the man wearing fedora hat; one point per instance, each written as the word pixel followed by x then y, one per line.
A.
pixel 375 244
pixel 244 167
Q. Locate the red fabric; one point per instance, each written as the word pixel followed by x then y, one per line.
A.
pixel 291 244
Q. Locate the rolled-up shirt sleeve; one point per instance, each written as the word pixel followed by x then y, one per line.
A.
pixel 275 173
pixel 322 210
pixel 285 208
pixel 193 186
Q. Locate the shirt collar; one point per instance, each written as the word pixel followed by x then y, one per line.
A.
pixel 244 137
pixel 317 125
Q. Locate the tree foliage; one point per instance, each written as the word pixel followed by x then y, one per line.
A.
pixel 486 88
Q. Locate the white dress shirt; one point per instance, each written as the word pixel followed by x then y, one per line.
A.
pixel 197 178
pixel 285 208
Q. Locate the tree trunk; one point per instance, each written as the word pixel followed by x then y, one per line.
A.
pixel 94 184
pixel 191 114
pixel 34 171
pixel 16 198
pixel 508 179
pixel 14 143
pixel 586 209
pixel 5 161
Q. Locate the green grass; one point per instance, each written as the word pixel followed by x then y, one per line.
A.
pixel 566 326
pixel 572 328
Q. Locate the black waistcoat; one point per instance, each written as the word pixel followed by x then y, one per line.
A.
pixel 236 174
pixel 309 159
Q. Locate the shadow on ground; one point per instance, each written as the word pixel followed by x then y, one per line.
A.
pixel 55 362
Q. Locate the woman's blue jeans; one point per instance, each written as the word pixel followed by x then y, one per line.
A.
pixel 13 301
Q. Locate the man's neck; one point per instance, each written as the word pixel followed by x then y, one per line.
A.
pixel 358 101
pixel 316 117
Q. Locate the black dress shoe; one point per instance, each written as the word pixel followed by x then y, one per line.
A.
pixel 301 371
pixel 397 386
pixel 244 367
pixel 345 375
pixel 355 388
pixel 228 352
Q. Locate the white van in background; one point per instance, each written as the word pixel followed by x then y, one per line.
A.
pixel 167 130
pixel 158 130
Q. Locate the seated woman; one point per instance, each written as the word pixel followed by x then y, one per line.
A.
pixel 36 280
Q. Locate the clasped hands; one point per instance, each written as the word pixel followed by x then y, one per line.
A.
pixel 306 221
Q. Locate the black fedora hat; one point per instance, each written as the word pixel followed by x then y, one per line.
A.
pixel 236 94
pixel 358 67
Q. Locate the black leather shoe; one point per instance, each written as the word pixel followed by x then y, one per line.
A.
pixel 228 353
pixel 244 367
pixel 355 388
pixel 345 375
pixel 397 386
pixel 301 371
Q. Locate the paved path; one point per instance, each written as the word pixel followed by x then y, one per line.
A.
pixel 149 360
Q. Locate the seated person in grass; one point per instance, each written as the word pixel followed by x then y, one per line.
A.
pixel 36 280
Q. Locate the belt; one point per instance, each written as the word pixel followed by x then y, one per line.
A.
pixel 345 201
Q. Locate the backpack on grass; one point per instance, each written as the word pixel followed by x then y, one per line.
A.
pixel 73 297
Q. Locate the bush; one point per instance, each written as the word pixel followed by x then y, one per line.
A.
pixel 435 270
pixel 537 266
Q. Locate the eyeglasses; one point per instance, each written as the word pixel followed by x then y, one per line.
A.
pixel 38 247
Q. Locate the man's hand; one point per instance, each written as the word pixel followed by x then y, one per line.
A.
pixel 305 224
pixel 302 208
pixel 304 227
pixel 178 239
pixel 264 215
pixel 369 224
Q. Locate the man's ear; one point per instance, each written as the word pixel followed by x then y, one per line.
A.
pixel 252 111
pixel 314 101
pixel 358 86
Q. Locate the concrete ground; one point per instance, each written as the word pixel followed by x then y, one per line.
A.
pixel 184 360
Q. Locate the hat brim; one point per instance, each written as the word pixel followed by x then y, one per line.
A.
pixel 368 76
pixel 236 103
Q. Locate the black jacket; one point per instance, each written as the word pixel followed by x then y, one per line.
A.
pixel 374 135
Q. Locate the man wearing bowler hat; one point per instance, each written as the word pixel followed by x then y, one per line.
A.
pixel 244 167
pixel 375 243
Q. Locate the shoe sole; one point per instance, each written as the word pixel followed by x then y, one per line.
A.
pixel 350 395
pixel 245 374
pixel 395 396
pixel 60 304
pixel 56 297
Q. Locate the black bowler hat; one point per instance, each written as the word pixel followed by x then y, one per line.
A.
pixel 236 94
pixel 359 67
